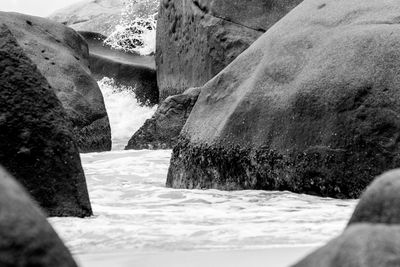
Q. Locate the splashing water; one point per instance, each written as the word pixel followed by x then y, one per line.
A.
pixel 136 31
pixel 124 112
pixel 133 210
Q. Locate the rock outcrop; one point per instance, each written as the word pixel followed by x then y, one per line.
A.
pixel 372 236
pixel 196 39
pixel 27 239
pixel 162 130
pixel 62 57
pixel 100 16
pixel 312 106
pixel 37 146
pixel 127 69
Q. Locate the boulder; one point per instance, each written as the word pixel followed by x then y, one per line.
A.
pixel 37 146
pixel 100 16
pixel 381 201
pixel 196 39
pixel 27 239
pixel 361 245
pixel 312 106
pixel 127 69
pixel 62 57
pixel 162 130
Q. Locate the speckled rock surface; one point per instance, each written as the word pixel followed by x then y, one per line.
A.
pixel 62 57
pixel 197 39
pixel 312 106
pixel 37 145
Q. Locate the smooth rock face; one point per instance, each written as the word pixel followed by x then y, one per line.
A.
pixel 381 201
pixel 62 57
pixel 312 106
pixel 361 245
pixel 127 69
pixel 37 145
pixel 27 239
pixel 99 16
pixel 162 130
pixel 196 39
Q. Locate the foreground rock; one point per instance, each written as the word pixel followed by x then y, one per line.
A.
pixel 37 146
pixel 197 39
pixel 361 245
pixel 127 69
pixel 380 202
pixel 27 239
pixel 372 237
pixel 162 130
pixel 100 16
pixel 312 106
pixel 62 57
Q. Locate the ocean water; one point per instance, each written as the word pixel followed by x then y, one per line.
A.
pixel 134 210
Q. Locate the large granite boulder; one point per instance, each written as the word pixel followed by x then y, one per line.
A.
pixel 196 39
pixel 312 106
pixel 62 56
pixel 37 146
pixel 127 69
pixel 100 16
pixel 361 245
pixel 27 239
pixel 162 130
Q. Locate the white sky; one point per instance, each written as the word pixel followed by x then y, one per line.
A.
pixel 35 7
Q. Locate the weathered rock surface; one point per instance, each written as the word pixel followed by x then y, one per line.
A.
pixel 37 146
pixel 162 130
pixel 27 239
pixel 380 202
pixel 312 106
pixel 196 39
pixel 361 245
pixel 99 16
pixel 127 69
pixel 62 57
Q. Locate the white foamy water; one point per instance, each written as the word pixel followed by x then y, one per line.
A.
pixel 124 112
pixel 134 210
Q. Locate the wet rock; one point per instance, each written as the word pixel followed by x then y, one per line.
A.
pixel 27 239
pixel 37 145
pixel 197 39
pixel 311 107
pixel 62 57
pixel 162 130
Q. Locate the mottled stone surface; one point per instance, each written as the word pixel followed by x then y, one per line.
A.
pixel 37 145
pixel 197 39
pixel 62 57
pixel 312 106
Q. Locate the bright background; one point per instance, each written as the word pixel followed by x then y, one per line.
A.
pixel 41 8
